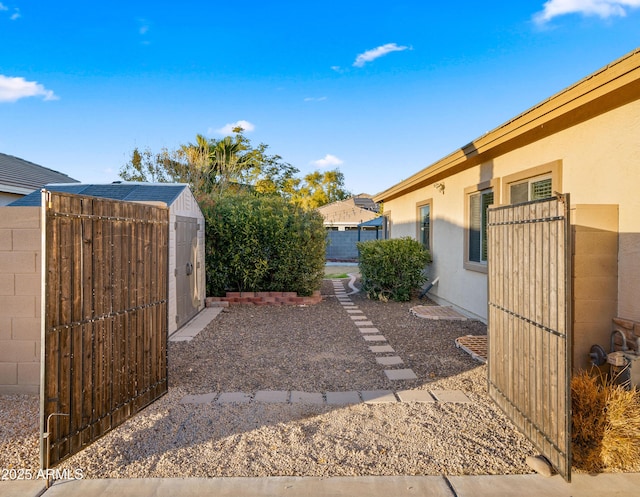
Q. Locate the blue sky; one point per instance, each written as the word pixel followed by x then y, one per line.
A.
pixel 378 89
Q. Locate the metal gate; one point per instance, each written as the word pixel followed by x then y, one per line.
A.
pixel 529 359
pixel 105 318
pixel 186 274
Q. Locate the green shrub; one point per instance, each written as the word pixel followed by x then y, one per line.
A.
pixel 262 244
pixel 392 269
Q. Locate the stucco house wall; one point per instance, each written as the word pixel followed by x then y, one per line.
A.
pixel 591 150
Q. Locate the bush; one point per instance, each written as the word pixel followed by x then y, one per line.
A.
pixel 392 269
pixel 262 244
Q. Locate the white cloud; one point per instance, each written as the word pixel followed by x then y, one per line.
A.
pixel 144 26
pixel 600 8
pixel 13 89
pixel 315 99
pixel 227 129
pixel 377 52
pixel 16 11
pixel 328 161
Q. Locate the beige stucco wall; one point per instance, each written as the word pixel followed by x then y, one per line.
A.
pixel 600 164
pixel 20 289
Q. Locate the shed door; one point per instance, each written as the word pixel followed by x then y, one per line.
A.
pixel 530 322
pixel 187 292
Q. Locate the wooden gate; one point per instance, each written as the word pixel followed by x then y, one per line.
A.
pixel 105 317
pixel 529 359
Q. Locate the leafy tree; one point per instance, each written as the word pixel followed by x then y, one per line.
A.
pixel 213 167
pixel 318 189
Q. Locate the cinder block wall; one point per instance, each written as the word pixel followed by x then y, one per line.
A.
pixel 341 245
pixel 20 235
pixel 595 278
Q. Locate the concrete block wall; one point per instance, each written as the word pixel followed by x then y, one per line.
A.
pixel 20 276
pixel 595 278
pixel 341 245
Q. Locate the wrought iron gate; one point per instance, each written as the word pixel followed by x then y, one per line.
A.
pixel 105 317
pixel 530 322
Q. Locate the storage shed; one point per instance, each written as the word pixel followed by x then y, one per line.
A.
pixel 187 284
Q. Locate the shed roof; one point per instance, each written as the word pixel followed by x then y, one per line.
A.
pixel 131 192
pixel 21 176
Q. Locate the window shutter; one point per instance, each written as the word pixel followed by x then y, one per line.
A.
pixel 475 227
pixel 487 200
pixel 541 189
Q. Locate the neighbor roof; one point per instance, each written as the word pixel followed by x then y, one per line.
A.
pixel 606 89
pixel 345 212
pixel 131 192
pixel 21 176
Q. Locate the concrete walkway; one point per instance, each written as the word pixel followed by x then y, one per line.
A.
pixel 199 322
pixel 609 485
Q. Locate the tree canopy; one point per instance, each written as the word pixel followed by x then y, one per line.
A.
pixel 214 167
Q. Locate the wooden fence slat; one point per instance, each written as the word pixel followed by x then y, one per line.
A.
pixel 529 344
pixel 105 316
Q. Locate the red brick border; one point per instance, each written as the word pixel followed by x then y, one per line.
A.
pixel 263 298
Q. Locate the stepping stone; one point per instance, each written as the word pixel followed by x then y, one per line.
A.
pixel 415 396
pixel 343 398
pixel 364 323
pixel 353 311
pixel 358 317
pixel 374 338
pixel 379 349
pixel 389 360
pixel 298 397
pixel 272 396
pixel 456 396
pixel 231 397
pixel 400 374
pixel 350 307
pixel 378 396
pixel 199 399
pixel 369 330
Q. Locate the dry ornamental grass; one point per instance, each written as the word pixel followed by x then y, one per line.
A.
pixel 605 424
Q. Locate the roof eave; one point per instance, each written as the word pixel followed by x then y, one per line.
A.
pixel 619 82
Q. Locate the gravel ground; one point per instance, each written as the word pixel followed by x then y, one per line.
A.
pixel 312 349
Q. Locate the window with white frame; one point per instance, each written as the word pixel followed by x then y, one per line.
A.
pixel 479 202
pixel 531 189
pixel 424 224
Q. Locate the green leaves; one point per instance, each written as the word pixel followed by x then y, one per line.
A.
pixel 392 269
pixel 262 244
